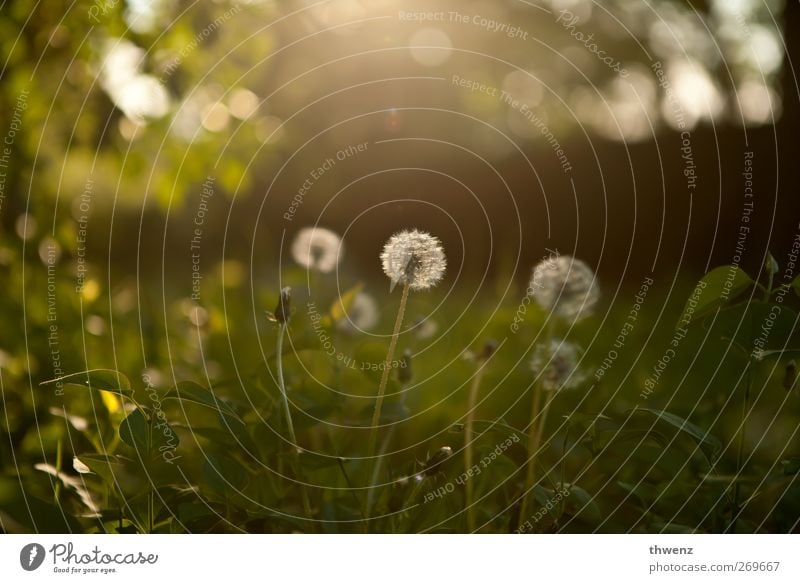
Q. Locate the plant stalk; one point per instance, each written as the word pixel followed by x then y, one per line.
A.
pixel 376 412
pixel 740 447
pixel 535 432
pixel 290 426
pixel 468 449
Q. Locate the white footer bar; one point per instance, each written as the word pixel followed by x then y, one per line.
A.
pixel 400 558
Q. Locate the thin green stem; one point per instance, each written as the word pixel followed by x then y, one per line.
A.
pixel 740 446
pixel 57 489
pixel 468 449
pixel 530 472
pixel 151 505
pixel 290 426
pixel 376 469
pixel 563 503
pixel 376 412
pixel 349 483
pixel 535 431
pixel 150 488
pixel 282 386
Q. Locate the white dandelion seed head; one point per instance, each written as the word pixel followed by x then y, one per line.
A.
pixel 414 257
pixel 317 248
pixel 565 286
pixel 556 365
pixel 361 315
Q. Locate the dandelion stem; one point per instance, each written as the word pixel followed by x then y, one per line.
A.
pixel 376 413
pixel 282 385
pixel 533 446
pixel 535 432
pixel 284 397
pixel 468 450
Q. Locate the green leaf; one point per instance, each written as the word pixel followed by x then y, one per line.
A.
pixel 481 426
pixel 719 286
pixel 224 475
pixel 758 327
pixel 100 379
pixel 313 462
pixel 707 442
pixel 194 393
pixel 105 466
pixel 641 490
pixel 770 264
pixel 32 515
pixel 136 432
pixel 796 285
pixel 581 503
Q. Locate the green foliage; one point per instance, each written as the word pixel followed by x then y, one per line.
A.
pixel 104 450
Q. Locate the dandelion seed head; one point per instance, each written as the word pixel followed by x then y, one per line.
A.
pixel 361 315
pixel 426 328
pixel 565 286
pixel 317 248
pixel 557 365
pixel 415 258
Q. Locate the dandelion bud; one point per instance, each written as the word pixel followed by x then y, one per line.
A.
pixel 557 365
pixel 433 463
pixel 488 349
pixel 414 258
pixel 565 286
pixel 284 308
pixel 317 248
pixel 790 375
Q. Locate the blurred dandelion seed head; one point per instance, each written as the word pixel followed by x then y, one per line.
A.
pixel 565 286
pixel 415 258
pixel 362 314
pixel 556 365
pixel 318 249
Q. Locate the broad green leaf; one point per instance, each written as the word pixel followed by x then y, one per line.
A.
pixel 758 327
pixel 100 379
pixel 707 442
pixel 645 492
pixel 194 393
pixel 716 288
pixel 543 495
pixel 32 515
pixel 136 432
pixel 581 503
pixel 105 466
